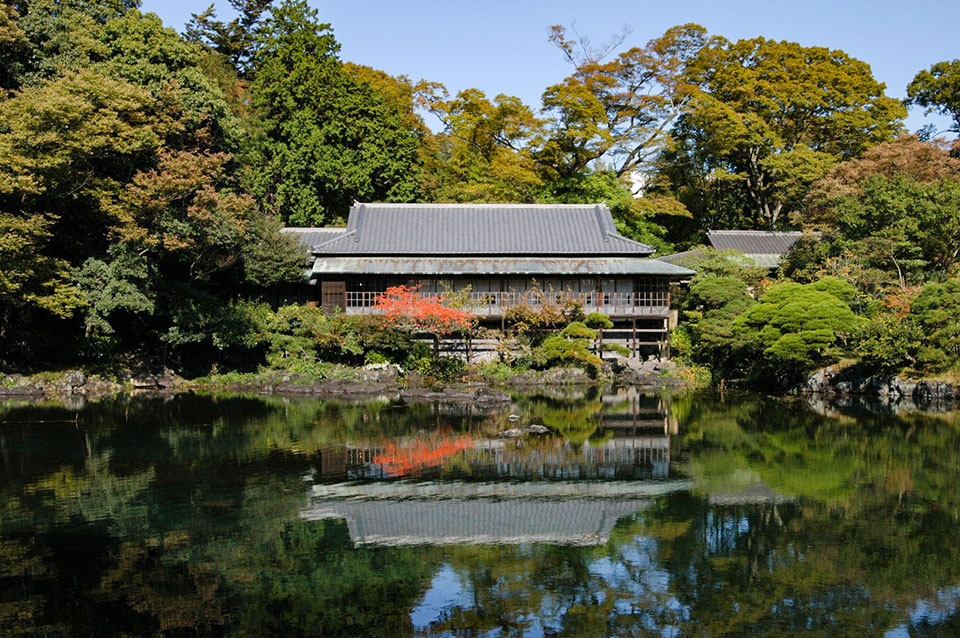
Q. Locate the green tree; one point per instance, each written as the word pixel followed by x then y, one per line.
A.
pixel 718 293
pixel 140 50
pixel 619 110
pixel 115 185
pixel 329 139
pixel 65 149
pixel 50 38
pixel 890 218
pixel 484 149
pixel 13 43
pixel 236 39
pixel 769 118
pixel 123 283
pixel 796 327
pixel 28 277
pixel 183 237
pixel 935 312
pixel 937 89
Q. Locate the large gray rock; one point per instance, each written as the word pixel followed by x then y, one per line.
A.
pixel 851 381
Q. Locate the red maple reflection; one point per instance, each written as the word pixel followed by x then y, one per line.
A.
pixel 411 458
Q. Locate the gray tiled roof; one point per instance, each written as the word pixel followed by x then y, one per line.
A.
pixel 760 248
pixel 754 242
pixel 447 522
pixel 481 229
pixel 323 494
pixel 677 258
pixel 544 266
pixel 310 237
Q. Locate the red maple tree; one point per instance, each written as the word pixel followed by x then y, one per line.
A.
pixel 410 460
pixel 406 308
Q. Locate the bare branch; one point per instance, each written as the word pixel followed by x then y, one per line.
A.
pixel 588 54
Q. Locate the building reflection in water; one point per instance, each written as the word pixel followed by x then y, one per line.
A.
pixel 477 487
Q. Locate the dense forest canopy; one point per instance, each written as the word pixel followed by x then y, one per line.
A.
pixel 145 174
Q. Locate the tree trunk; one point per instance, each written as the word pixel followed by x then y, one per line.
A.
pixel 757 183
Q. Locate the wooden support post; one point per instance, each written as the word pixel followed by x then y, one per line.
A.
pixel 635 352
pixel 666 335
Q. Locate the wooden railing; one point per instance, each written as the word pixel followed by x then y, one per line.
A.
pixel 494 304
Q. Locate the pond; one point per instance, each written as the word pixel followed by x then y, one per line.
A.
pixel 636 515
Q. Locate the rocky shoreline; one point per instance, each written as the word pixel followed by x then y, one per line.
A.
pixel 359 383
pixel 371 381
pixel 844 382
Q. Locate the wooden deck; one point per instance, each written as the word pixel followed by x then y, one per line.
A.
pixel 493 305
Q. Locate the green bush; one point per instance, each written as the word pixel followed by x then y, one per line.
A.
pixel 374 358
pixel 936 312
pixel 623 351
pixel 717 295
pixel 418 350
pixel 681 343
pixel 578 330
pixel 533 324
pixel 440 368
pixel 372 334
pixel 496 370
pixel 598 320
pixel 797 327
pixel 297 334
pixel 888 342
pixel 559 352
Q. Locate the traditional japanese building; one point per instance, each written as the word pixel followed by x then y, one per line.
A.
pixel 497 256
pixel 498 253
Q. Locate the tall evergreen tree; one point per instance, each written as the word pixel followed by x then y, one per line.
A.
pixel 329 138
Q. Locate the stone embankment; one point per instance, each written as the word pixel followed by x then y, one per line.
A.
pixel 850 381
pixel 358 383
pixel 53 385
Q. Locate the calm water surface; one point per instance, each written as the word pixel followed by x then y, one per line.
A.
pixel 639 515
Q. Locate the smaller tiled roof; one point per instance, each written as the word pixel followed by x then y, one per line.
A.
pixel 760 248
pixel 754 242
pixel 310 237
pixel 481 229
pixel 678 258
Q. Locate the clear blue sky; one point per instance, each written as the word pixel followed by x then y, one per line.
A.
pixel 501 46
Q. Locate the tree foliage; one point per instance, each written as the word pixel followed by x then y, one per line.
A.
pixel 889 218
pixel 117 181
pixel 235 40
pixel 405 308
pixel 768 118
pixel 935 312
pixel 937 89
pixel 796 327
pixel 484 150
pixel 329 139
pixel 618 110
pixel 718 293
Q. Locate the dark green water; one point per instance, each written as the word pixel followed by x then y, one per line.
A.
pixel 642 516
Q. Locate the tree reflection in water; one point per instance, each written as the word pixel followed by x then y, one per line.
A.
pixel 750 516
